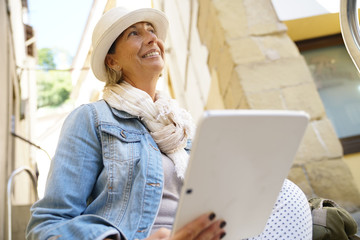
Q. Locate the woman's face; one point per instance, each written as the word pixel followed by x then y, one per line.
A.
pixel 138 50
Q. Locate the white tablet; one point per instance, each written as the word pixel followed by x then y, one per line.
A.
pixel 238 163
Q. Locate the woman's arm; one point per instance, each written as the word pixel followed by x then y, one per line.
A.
pixel 72 176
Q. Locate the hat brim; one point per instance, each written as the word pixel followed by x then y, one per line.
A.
pixel 103 44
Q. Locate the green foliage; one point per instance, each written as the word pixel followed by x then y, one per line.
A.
pixel 46 59
pixel 54 88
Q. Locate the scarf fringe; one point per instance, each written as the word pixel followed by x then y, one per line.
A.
pixel 180 159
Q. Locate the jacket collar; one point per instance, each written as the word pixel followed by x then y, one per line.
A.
pixel 119 113
pixel 122 114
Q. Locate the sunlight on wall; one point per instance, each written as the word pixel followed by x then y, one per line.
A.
pixel 331 5
pixel 134 4
pixel 295 9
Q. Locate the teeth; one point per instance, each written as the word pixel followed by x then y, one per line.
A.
pixel 150 54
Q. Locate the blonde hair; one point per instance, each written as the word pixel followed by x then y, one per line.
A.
pixel 113 77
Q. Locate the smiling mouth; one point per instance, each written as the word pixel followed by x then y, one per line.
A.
pixel 151 54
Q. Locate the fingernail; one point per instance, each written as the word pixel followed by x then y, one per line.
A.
pixel 212 216
pixel 222 235
pixel 222 224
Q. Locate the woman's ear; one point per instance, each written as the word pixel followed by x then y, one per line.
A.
pixel 111 62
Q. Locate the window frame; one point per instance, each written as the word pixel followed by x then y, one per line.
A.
pixel 350 144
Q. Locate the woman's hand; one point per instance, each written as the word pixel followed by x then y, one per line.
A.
pixel 204 227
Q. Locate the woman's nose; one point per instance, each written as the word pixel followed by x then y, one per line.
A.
pixel 150 38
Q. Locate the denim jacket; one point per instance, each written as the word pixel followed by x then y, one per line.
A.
pixel 106 178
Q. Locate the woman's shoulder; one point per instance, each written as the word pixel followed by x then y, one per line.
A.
pixel 89 113
pixel 103 114
pixel 103 109
pixel 89 109
pixel 98 108
pixel 99 113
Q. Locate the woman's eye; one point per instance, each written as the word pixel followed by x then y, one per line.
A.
pixel 133 33
pixel 152 30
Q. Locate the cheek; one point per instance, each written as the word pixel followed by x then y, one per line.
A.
pixel 161 46
pixel 127 53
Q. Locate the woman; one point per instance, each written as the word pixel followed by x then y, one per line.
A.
pixel 119 164
pixel 107 175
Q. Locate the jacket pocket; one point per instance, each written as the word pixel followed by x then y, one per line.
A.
pixel 119 144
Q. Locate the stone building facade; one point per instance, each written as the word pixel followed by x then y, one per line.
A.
pixel 17 106
pixel 236 54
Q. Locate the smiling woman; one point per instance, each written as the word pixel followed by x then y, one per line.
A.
pixel 136 61
pixel 120 162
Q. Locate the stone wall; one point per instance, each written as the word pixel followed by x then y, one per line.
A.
pixel 254 65
pixel 186 57
pixel 17 106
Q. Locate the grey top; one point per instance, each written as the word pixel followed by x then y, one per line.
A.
pixel 170 198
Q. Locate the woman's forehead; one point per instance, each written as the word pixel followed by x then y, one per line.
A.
pixel 140 23
pixel 134 26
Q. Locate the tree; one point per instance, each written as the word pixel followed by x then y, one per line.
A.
pixel 46 59
pixel 53 86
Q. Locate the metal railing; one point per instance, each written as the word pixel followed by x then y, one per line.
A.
pixel 9 193
pixel 349 23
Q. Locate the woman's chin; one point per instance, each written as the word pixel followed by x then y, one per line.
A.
pixel 156 68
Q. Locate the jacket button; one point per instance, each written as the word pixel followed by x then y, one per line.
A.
pixel 122 134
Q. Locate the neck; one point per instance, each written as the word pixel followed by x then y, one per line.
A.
pixel 147 84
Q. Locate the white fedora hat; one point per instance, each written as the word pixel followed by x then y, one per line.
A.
pixel 112 24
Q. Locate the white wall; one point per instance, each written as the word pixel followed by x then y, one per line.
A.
pixel 13 76
pixel 186 55
pixel 3 113
pixel 294 9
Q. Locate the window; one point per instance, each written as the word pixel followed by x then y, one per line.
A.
pixel 338 83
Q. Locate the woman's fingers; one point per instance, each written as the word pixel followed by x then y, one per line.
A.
pixel 214 231
pixel 204 227
pixel 195 227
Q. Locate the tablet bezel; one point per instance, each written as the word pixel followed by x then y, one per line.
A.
pixel 239 190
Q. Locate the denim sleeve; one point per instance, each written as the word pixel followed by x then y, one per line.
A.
pixel 72 176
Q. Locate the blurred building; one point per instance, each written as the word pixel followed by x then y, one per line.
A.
pixel 17 103
pixel 277 54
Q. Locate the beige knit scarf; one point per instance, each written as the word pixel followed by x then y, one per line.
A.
pixel 169 125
